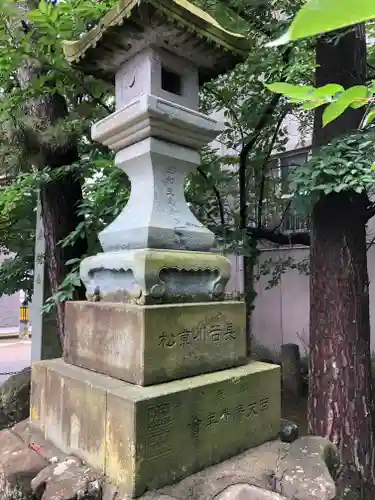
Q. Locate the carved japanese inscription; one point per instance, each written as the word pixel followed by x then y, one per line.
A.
pixel 213 330
pixel 225 414
pixel 159 427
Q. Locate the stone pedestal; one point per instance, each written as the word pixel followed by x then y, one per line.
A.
pixel 146 437
pixel 148 345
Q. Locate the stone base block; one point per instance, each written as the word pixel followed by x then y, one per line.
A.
pixel 148 345
pixel 147 437
pixel 68 405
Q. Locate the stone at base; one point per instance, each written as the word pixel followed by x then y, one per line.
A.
pixel 15 398
pixel 146 437
pixel 302 470
pixel 148 345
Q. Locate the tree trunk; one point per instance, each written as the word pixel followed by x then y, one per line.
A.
pixel 340 58
pixel 341 405
pixel 60 201
pixel 60 198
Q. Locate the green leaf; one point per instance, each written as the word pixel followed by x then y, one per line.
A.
pixel 333 111
pixel 322 16
pixel 43 7
pixel 369 118
pixel 355 93
pixel 312 104
pixel 290 90
pixel 358 104
pixel 327 91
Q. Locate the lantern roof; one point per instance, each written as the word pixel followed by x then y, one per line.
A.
pixel 177 26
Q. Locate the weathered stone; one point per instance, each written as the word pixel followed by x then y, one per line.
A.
pixel 155 252
pixel 37 398
pixel 15 398
pixel 157 170
pixel 68 480
pixel 185 23
pixel 247 492
pixel 74 416
pixel 291 369
pixel 255 466
pixel 262 353
pixel 157 142
pixel 304 472
pixel 143 74
pixel 151 344
pixel 152 277
pixel 210 417
pixel 110 491
pixel 243 477
pixel 288 431
pixel 34 439
pixel 18 465
pixel 135 434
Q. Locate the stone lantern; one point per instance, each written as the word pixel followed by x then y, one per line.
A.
pixel 155 383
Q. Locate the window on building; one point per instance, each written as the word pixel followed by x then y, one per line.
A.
pixel 288 163
pixel 294 217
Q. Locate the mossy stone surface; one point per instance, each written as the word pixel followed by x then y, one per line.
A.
pixel 148 345
pixel 184 426
pixel 147 437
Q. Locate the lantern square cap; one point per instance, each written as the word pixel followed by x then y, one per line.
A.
pixel 177 26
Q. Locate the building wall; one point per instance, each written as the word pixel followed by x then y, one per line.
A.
pixel 9 313
pixel 281 314
pixel 9 310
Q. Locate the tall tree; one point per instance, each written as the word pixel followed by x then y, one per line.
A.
pixel 341 392
pixel 255 128
pixel 43 116
pixel 341 402
pixel 60 198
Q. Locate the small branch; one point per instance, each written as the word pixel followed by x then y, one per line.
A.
pixel 283 216
pixel 231 111
pixel 267 113
pixel 265 163
pixel 370 243
pixel 279 238
pixel 97 100
pixel 370 212
pixel 217 195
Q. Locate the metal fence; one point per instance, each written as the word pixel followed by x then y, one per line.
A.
pixel 293 223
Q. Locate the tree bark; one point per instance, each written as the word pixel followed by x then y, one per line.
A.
pixel 340 58
pixel 61 197
pixel 340 403
pixel 60 200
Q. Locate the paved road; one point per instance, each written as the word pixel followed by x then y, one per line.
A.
pixel 14 356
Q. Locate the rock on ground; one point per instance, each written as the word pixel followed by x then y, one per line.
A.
pixel 15 398
pixel 33 469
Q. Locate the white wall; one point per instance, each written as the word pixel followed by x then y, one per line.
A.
pixel 281 314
